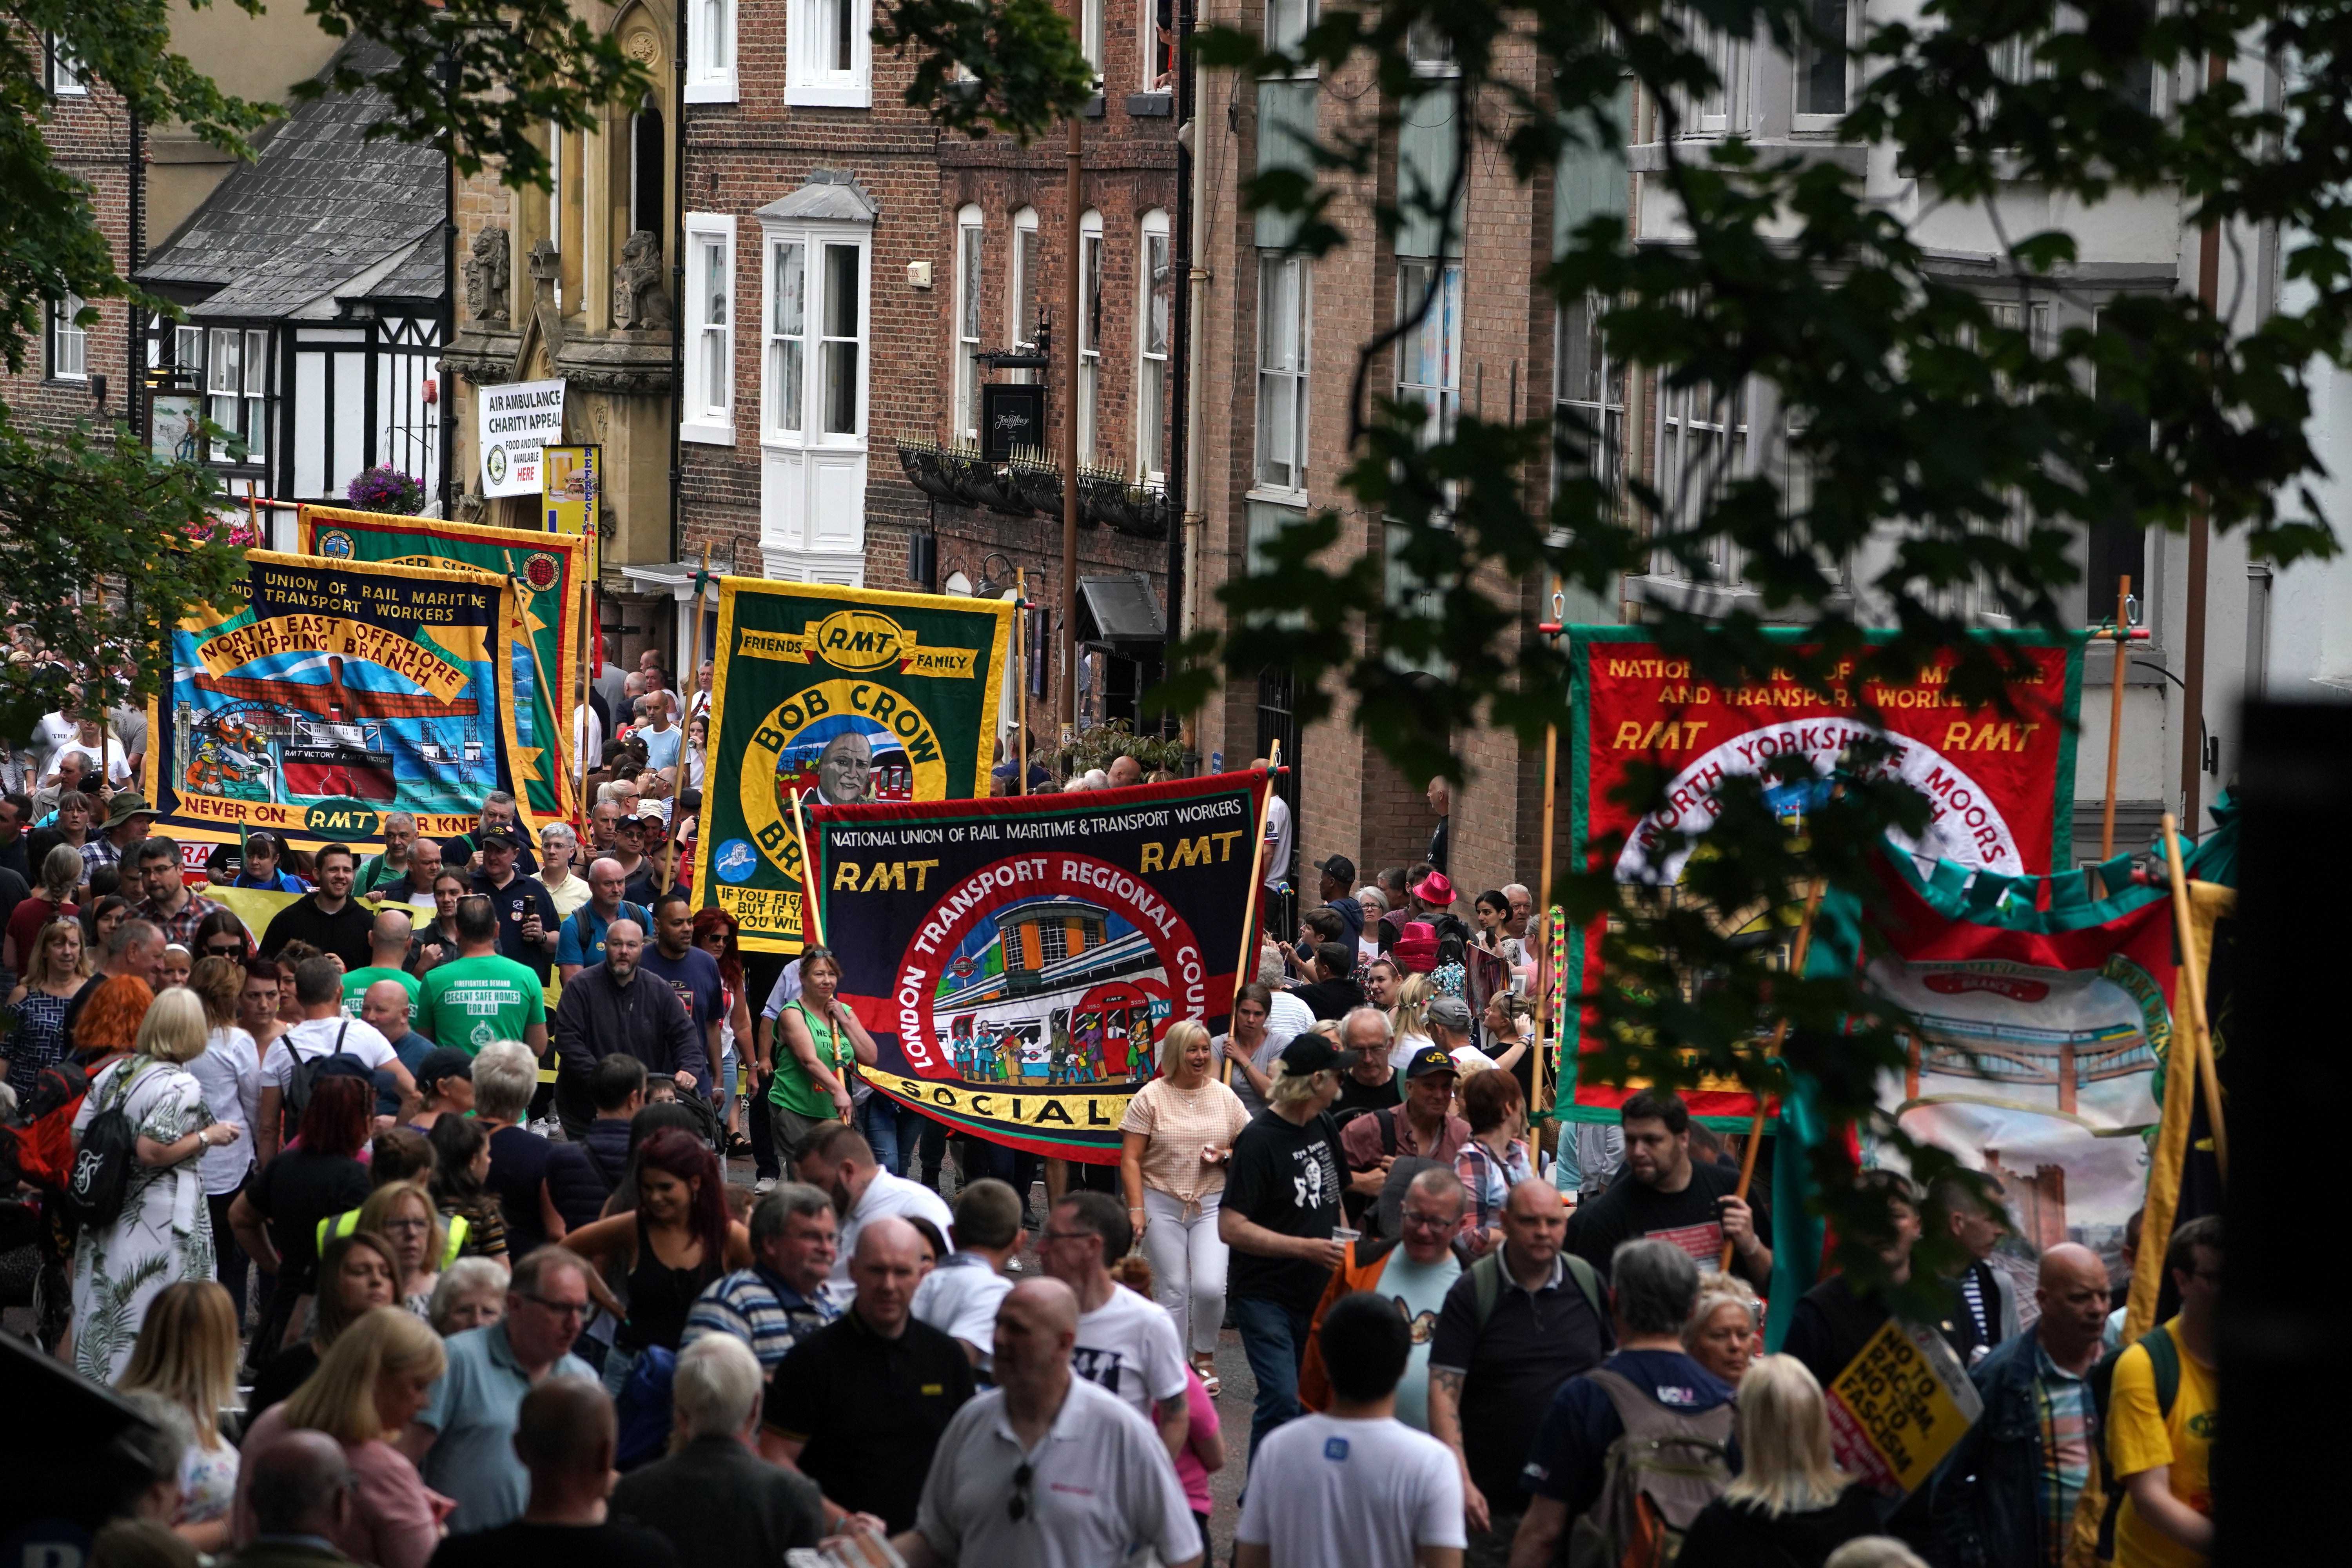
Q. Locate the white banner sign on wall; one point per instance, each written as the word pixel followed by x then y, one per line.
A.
pixel 516 420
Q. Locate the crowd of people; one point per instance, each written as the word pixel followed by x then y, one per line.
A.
pixel 407 1235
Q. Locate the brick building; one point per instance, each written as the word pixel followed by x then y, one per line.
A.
pixel 73 371
pixel 847 268
pixel 1280 341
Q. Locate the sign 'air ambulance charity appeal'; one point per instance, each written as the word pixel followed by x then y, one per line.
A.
pixel 514 421
pixel 837 696
pixel 2000 785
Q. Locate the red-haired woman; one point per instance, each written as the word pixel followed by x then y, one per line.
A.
pixel 714 933
pixel 677 1241
pixel 277 1217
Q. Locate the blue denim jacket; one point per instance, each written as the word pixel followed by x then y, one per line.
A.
pixel 1982 1509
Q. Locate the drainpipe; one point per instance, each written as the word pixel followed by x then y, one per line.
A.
pixel 677 293
pixel 1180 431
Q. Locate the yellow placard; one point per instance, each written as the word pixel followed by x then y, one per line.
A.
pixel 1900 1405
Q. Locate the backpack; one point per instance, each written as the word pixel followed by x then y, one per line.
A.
pixel 1486 1287
pixel 101 1178
pixel 1666 1468
pixel 2164 1360
pixel 307 1073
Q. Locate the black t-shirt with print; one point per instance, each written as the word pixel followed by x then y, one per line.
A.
pixel 1630 1210
pixel 1285 1178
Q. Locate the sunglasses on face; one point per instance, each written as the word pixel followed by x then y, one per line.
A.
pixel 230 950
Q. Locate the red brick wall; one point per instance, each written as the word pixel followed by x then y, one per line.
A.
pixel 742 155
pixel 89 138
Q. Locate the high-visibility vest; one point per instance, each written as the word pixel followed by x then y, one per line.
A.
pixel 348 1221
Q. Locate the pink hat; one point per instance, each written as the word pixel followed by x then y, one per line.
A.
pixel 1416 949
pixel 1434 889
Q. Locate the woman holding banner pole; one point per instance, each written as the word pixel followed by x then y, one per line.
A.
pixel 817 1042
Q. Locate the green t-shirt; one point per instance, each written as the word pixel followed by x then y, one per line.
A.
pixel 356 983
pixel 793 1087
pixel 470 1003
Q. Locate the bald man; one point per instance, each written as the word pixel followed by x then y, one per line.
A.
pixel 2004 1491
pixel 564 1434
pixel 844 768
pixel 299 1489
pixel 388 935
pixel 1048 1466
pixel 389 1008
pixel 858 1407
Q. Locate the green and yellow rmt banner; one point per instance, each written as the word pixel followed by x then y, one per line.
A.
pixel 840 696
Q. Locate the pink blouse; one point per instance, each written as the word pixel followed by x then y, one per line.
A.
pixel 395 1519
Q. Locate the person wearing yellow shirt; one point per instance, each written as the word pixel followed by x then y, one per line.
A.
pixel 2163 1457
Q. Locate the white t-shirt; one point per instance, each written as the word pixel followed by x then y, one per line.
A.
pixel 1128 1345
pixel 316 1038
pixel 54 731
pixel 959 1297
pixel 1328 1493
pixel 110 762
pixel 889 1194
pixel 1277 840
pixel 1287 1018
pixel 229 1072
pixel 587 738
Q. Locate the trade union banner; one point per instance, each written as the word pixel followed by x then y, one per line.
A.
pixel 2000 785
pixel 343 690
pixel 1018 961
pixel 545 571
pixel 2039 1040
pixel 832 695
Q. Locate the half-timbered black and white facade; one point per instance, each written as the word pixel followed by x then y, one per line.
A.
pixel 316 290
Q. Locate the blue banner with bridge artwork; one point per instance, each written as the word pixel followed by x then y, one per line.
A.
pixel 1018 961
pixel 341 690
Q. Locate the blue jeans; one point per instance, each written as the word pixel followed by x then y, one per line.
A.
pixel 1274 1338
pixel 892 1128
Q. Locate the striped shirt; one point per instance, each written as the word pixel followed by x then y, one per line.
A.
pixel 2062 1403
pixel 762 1310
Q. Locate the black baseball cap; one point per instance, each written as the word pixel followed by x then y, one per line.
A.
pixel 445 1061
pixel 1308 1052
pixel 1339 868
pixel 497 839
pixel 1427 1060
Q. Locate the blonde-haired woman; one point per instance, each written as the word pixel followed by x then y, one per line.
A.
pixel 403 1214
pixel 1790 1504
pixel 53 975
pixel 1173 1146
pixel 164 1233
pixel 1409 1019
pixel 371 1385
pixel 187 1355
pixel 1723 1331
pixel 230 1072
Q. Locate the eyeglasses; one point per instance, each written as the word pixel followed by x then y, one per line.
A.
pixel 1016 1508
pixel 561 1308
pixel 1428 1221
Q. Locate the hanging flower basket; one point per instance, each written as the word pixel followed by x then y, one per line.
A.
pixel 386 489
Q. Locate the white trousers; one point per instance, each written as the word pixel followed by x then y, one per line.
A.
pixel 1188 1266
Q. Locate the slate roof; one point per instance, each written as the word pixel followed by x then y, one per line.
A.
pixel 325 215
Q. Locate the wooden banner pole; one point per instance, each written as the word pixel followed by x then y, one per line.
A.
pixel 2116 717
pixel 2193 980
pixel 812 919
pixel 587 759
pixel 1021 679
pixel 1548 1067
pixel 1243 968
pixel 694 655
pixel 1780 1037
